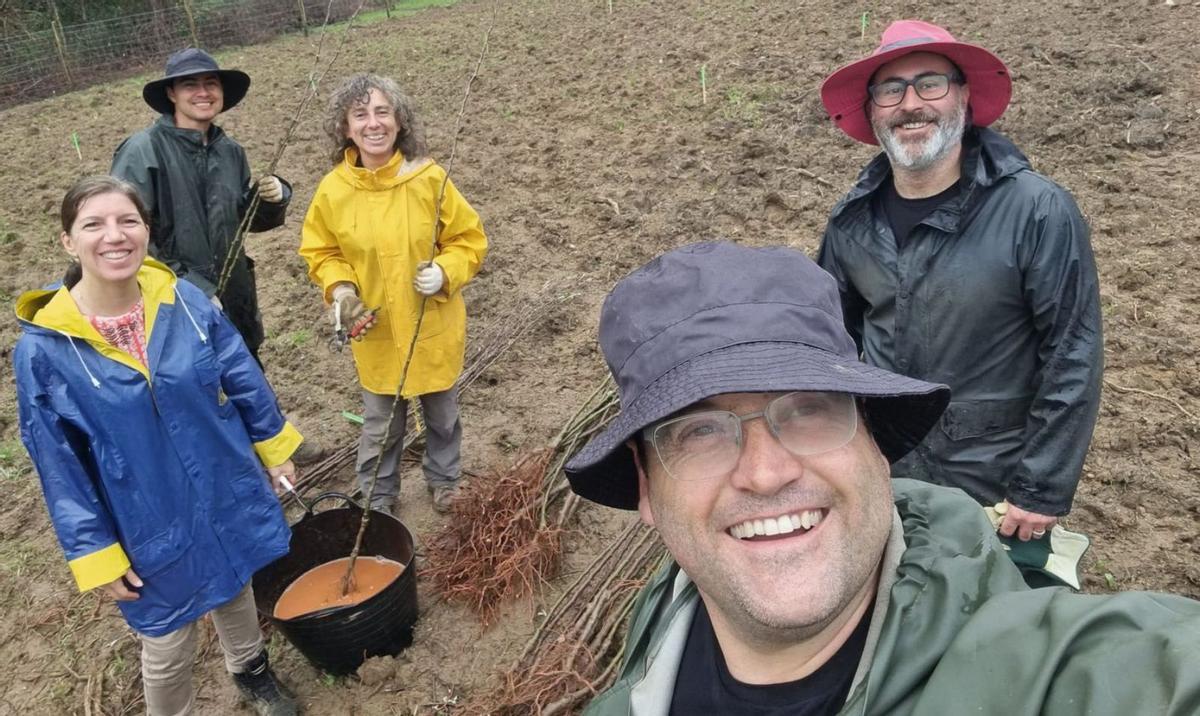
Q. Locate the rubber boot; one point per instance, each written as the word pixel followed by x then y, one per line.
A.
pixel 262 691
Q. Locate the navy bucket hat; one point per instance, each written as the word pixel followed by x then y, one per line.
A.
pixel 190 62
pixel 716 318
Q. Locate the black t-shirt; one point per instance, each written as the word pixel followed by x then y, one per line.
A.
pixel 705 686
pixel 904 214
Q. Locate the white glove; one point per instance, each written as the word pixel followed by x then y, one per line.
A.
pixel 216 302
pixel 429 278
pixel 270 189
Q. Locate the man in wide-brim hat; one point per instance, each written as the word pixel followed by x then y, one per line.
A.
pixel 959 264
pixel 804 580
pixel 197 186
pixel 196 183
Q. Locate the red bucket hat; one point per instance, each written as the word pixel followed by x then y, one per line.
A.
pixel 844 93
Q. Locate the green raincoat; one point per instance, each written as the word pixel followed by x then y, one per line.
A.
pixel 956 631
pixel 197 189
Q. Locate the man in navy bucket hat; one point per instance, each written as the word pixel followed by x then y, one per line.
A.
pixel 803 579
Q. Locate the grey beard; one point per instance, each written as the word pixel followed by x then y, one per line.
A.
pixel 946 136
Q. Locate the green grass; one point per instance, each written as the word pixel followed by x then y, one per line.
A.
pixel 742 104
pixel 8 237
pixel 13 462
pixel 298 338
pixel 21 559
pixel 400 8
pixel 1110 581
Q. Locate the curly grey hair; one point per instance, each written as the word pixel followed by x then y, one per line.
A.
pixel 410 135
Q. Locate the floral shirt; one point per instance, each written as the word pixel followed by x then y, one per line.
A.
pixel 127 332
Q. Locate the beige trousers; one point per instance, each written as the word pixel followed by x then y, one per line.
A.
pixel 167 660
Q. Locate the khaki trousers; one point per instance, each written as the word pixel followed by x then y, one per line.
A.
pixel 167 660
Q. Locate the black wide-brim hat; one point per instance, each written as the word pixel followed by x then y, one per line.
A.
pixel 717 318
pixel 190 62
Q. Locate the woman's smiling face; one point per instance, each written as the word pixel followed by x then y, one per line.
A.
pixel 371 125
pixel 108 237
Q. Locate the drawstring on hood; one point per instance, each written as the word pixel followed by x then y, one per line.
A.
pixel 203 338
pixel 95 382
pixel 52 310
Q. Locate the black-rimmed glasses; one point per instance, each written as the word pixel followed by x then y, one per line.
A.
pixel 928 87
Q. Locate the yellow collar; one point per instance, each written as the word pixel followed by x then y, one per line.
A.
pixel 56 310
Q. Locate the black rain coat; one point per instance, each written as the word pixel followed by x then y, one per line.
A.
pixel 996 295
pixel 197 193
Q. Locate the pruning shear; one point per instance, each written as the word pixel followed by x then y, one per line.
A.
pixel 342 334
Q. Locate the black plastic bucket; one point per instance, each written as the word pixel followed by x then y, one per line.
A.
pixel 339 639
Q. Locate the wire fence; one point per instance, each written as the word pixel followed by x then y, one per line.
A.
pixel 63 58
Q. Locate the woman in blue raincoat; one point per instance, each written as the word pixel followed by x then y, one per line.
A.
pixel 153 432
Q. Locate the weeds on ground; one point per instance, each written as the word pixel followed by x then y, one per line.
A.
pixel 13 463
pixel 1110 581
pixel 299 338
pixel 742 105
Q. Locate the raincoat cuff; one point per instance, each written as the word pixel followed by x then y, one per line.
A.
pixel 100 567
pixel 449 285
pixel 335 275
pixel 278 450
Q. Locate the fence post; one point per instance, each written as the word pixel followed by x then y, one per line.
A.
pixel 303 17
pixel 60 42
pixel 191 18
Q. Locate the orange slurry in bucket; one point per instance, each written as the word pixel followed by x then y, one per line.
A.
pixel 321 587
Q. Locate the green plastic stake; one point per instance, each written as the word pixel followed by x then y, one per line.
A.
pixel 864 25
pixel 357 419
pixel 704 84
pixel 75 143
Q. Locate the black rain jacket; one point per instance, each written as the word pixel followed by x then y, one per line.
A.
pixel 996 295
pixel 197 193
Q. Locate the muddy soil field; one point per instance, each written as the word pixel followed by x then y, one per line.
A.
pixel 588 148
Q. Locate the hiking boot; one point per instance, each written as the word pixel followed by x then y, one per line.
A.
pixel 444 497
pixel 308 453
pixel 262 691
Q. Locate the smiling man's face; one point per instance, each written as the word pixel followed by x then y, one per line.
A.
pixel 198 100
pixel 917 133
pixel 790 584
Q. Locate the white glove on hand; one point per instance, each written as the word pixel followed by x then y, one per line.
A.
pixel 429 278
pixel 216 302
pixel 270 189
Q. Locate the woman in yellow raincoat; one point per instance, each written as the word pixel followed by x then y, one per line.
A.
pixel 368 239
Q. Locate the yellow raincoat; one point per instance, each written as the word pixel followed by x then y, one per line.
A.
pixel 372 228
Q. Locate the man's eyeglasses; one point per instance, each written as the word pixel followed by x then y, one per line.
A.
pixel 703 445
pixel 929 87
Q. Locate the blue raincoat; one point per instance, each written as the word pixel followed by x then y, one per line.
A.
pixel 161 469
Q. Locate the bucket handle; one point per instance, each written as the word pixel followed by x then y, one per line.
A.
pixel 326 495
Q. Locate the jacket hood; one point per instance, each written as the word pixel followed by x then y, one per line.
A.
pixel 988 157
pixel 385 177
pixel 52 308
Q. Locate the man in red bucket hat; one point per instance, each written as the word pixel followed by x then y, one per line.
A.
pixel 959 264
